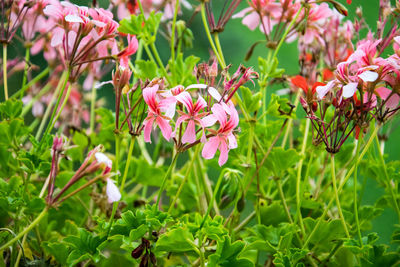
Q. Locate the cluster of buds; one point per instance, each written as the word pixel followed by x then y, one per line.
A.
pixel 95 161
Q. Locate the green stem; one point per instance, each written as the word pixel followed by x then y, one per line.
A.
pixel 350 172
pixel 92 108
pixel 49 107
pixel 128 162
pixel 32 82
pixel 110 222
pixel 355 193
pixel 206 184
pixel 161 65
pixel 26 230
pixel 149 54
pixel 61 108
pixel 5 71
pixel 334 183
pixel 282 196
pixel 298 180
pixel 173 31
pixel 210 205
pixel 52 121
pixel 189 169
pixel 219 49
pixel 27 58
pixel 203 18
pixel 250 144
pixel 388 181
pixel 166 177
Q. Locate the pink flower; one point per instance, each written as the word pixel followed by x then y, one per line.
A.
pixel 193 116
pixel 154 114
pixel 223 139
pixel 112 191
pixel 128 51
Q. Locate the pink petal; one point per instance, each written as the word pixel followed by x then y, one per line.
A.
pixel 384 93
pixel 112 191
pixel 165 128
pixel 58 36
pixel 189 136
pixel 349 89
pixel 223 156
pixel 323 90
pixel 232 141
pixel 210 148
pixel 186 100
pixel 219 113
pixel 148 123
pixel 209 120
pixel 252 20
pixel 214 93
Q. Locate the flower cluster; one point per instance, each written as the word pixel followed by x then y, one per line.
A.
pixel 365 86
pixel 199 107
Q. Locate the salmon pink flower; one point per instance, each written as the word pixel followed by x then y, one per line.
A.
pixel 223 139
pixel 154 114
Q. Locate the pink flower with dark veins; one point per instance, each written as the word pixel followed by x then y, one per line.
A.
pixel 192 117
pixel 154 114
pixel 223 139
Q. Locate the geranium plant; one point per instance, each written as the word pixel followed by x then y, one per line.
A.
pixel 122 145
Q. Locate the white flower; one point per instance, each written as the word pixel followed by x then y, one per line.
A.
pixel 368 76
pixel 112 191
pixel 102 158
pixel 349 90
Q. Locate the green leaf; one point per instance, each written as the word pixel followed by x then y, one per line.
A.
pixel 280 107
pixel 146 69
pixel 58 250
pixel 176 240
pixel 227 254
pixel 280 160
pixel 10 109
pixel 252 101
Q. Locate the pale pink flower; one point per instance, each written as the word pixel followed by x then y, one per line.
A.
pixel 192 117
pixel 112 191
pixel 223 139
pixel 154 114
